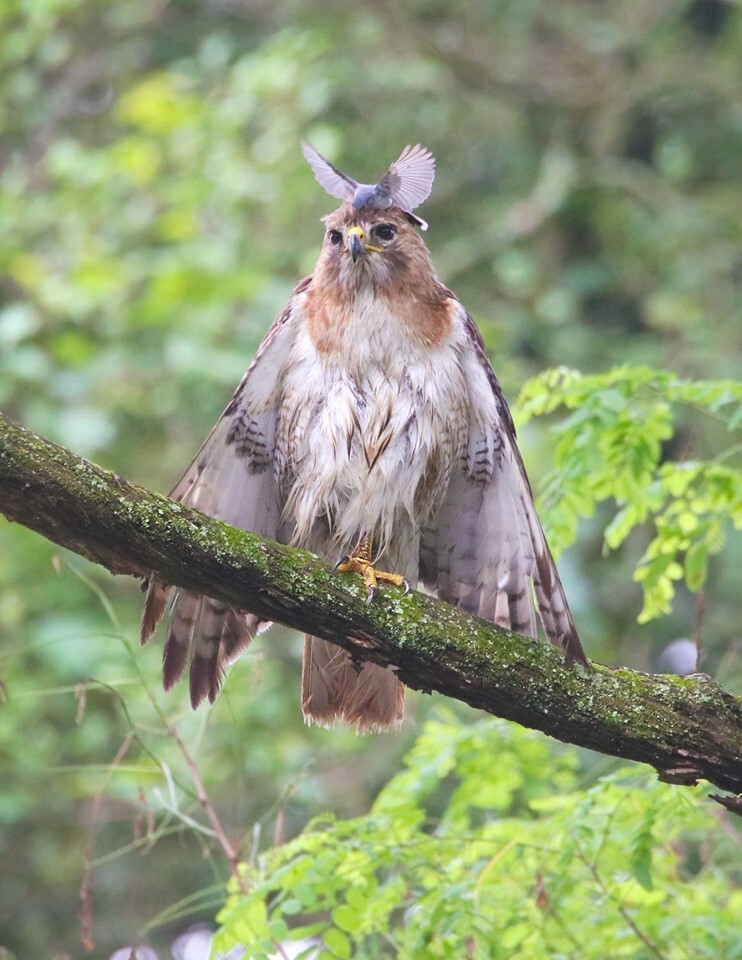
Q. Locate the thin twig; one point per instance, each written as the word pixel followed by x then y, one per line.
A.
pixel 698 632
pixel 85 915
pixel 281 952
pixel 652 947
pixel 203 798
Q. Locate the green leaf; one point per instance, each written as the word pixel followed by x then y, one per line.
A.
pixel 291 906
pixel 641 858
pixel 338 942
pixel 696 565
pixel 346 918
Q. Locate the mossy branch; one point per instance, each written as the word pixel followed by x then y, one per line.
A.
pixel 688 728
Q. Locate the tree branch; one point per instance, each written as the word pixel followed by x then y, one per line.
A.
pixel 688 728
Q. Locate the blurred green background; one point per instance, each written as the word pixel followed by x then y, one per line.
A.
pixel 155 213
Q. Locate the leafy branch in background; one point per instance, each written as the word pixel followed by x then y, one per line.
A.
pixel 519 861
pixel 613 447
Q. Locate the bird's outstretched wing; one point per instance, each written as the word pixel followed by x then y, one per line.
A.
pixel 334 181
pixel 233 479
pixel 485 551
pixel 409 180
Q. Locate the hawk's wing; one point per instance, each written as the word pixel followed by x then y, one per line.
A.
pixel 485 551
pixel 409 180
pixel 233 479
pixel 334 181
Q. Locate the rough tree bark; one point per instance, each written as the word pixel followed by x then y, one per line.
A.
pixel 688 728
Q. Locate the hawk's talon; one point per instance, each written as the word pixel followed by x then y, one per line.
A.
pixel 359 563
pixel 406 584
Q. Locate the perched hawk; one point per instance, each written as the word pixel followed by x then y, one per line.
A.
pixel 370 426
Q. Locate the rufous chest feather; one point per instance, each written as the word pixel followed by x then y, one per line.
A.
pixel 339 324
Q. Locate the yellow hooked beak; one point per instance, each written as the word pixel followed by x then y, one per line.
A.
pixel 357 242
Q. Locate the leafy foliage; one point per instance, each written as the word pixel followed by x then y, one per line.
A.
pixel 487 846
pixel 613 445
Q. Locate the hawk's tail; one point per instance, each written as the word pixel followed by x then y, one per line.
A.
pixel 335 688
pixel 204 635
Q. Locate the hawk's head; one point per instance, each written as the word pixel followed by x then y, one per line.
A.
pixel 371 239
pixel 371 247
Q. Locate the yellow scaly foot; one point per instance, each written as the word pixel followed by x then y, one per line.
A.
pixel 360 562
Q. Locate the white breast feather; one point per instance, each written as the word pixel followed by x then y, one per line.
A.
pixel 376 450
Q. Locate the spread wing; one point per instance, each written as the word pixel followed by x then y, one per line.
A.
pixel 233 479
pixel 334 181
pixel 485 550
pixel 409 180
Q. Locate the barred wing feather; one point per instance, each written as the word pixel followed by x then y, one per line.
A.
pixel 232 478
pixel 486 551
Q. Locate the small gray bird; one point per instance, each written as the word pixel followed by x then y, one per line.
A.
pixel 406 184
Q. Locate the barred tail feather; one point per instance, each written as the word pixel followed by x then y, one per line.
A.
pixel 204 635
pixel 554 610
pixel 155 604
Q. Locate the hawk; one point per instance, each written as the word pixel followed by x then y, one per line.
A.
pixel 370 426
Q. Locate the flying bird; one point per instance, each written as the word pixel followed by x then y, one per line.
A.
pixel 372 428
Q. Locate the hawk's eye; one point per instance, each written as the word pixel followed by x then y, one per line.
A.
pixel 385 231
pixel 335 236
